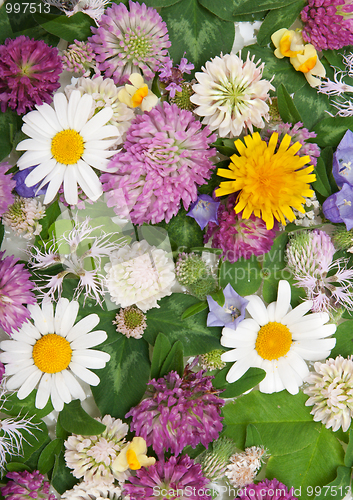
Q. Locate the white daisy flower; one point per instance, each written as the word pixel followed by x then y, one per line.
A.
pixel 278 340
pixel 64 145
pixel 52 352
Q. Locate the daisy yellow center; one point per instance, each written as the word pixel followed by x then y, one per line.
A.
pixel 131 458
pixel 139 96
pixel 52 353
pixel 273 341
pixel 67 147
pixel 271 180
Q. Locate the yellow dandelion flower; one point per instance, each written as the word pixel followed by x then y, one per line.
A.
pixel 270 182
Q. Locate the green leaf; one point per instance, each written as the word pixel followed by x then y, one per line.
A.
pixel 249 380
pixel 183 231
pixel 321 185
pixel 281 69
pixel 33 440
pixel 276 19
pixel 2 233
pixel 331 130
pixel 272 266
pixel 17 467
pixel 344 340
pixel 62 478
pixel 192 310
pixel 253 437
pixel 161 349
pixel 47 457
pixel 339 487
pixel 124 379
pixel 174 360
pixel 52 212
pixel 311 105
pixel 5 26
pixel 160 3
pixel 244 275
pixel 225 146
pixel 194 30
pixel 193 333
pixel 228 9
pixel 68 28
pixel 19 14
pixel 10 123
pixel 75 420
pixel 286 107
pixel 348 458
pixel 13 406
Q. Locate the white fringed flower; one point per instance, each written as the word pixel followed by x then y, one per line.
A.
pixel 52 352
pixel 23 216
pixel 331 393
pixel 244 466
pixel 91 457
pixel 139 274
pixel 231 95
pixel 105 94
pixel 278 340
pixel 92 491
pixel 64 145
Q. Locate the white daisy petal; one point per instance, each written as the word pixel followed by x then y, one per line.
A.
pixel 49 115
pixel 44 390
pixel 89 340
pixel 69 318
pixel 84 374
pixel 70 184
pixel 283 299
pixel 32 158
pixel 84 326
pixel 257 309
pixel 55 179
pixel 271 311
pixel 288 376
pixel 60 105
pixel 89 361
pixel 21 377
pixel 60 311
pixel 297 313
pixel 88 181
pixel 74 102
pixel 95 123
pixel 56 400
pixel 40 172
pixel 29 384
pixel 75 389
pixel 15 367
pixel 83 111
pixel 61 387
pixel 237 370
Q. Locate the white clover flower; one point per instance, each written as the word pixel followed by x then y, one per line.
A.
pixel 23 216
pixel 92 491
pixel 139 274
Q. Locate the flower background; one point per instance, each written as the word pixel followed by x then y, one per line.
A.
pixel 193 225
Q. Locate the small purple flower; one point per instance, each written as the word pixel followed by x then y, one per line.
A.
pixel 7 184
pixel 178 411
pixel 342 166
pixel 22 189
pixel 204 210
pixel 26 485
pixel 179 476
pixel 231 314
pixel 15 290
pixel 266 490
pixel 172 77
pixel 338 207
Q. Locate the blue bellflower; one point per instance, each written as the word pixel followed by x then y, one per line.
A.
pixel 204 210
pixel 231 314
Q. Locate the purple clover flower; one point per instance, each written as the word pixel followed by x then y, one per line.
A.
pixel 29 73
pixel 328 23
pixel 266 490
pixel 231 314
pixel 338 207
pixel 342 165
pixel 25 485
pixel 178 411
pixel 7 184
pixel 204 210
pixel 15 290
pixel 179 476
pixel 127 41
pixel 167 155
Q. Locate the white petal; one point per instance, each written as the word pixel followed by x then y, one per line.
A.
pixel 89 361
pixel 60 310
pixel 310 322
pixel 44 390
pixel 84 374
pixel 84 326
pixel 96 161
pixel 21 377
pixel 39 319
pixel 56 400
pixel 89 130
pixel 16 346
pixel 72 107
pixel 257 309
pixel 318 333
pixel 49 115
pixel 83 110
pixel 55 179
pixel 89 340
pixel 69 319
pixel 33 158
pixel 48 313
pixel 236 354
pixel 61 387
pixel 70 185
pixel 297 313
pixel 75 388
pixel 40 172
pixel 31 145
pixel 297 363
pixel 60 104
pixel 288 376
pixel 17 365
pixel 271 311
pixel 237 370
pixel 88 181
pixel 30 384
pixel 283 299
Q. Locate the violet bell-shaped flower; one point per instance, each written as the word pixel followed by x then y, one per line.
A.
pixel 342 166
pixel 204 210
pixel 232 312
pixel 338 207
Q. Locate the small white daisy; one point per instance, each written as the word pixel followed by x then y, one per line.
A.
pixel 52 352
pixel 278 340
pixel 64 145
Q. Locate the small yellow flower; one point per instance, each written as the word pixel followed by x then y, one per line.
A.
pixel 309 64
pixel 269 182
pixel 137 94
pixel 133 456
pixel 288 43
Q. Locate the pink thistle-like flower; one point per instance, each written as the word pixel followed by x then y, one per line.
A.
pixel 167 155
pixel 29 73
pixel 26 485
pixel 79 58
pixel 15 290
pixel 178 474
pixel 178 411
pixel 239 237
pixel 300 134
pixel 7 184
pixel 328 23
pixel 129 40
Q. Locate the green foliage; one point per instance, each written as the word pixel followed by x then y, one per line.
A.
pixel 52 212
pixel 344 340
pixel 330 130
pixel 47 457
pixel 62 478
pixel 10 123
pixel 174 360
pixel 161 349
pixel 183 231
pixel 283 17
pixel 193 333
pixel 322 184
pixel 192 310
pixel 75 420
pixel 32 440
pixel 5 26
pixel 231 9
pixel 13 406
pixel 194 30
pixel 68 28
pixel 338 488
pixel 303 453
pixel 286 106
pixel 123 380
pixel 244 275
pixel 311 105
pixel 249 380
